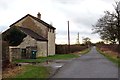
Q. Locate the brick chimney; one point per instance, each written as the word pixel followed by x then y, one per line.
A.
pixel 39 15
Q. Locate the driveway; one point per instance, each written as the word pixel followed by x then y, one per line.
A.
pixel 91 65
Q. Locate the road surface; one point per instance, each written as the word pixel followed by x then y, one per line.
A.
pixel 91 65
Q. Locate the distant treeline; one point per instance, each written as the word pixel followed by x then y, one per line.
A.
pixel 63 49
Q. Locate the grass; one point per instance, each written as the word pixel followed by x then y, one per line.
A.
pixel 111 58
pixel 39 72
pixel 43 59
pixel 31 71
pixel 85 51
pixel 54 57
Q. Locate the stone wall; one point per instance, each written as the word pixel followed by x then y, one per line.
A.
pixel 27 41
pixel 15 53
pixel 0 55
pixel 51 42
pixel 33 25
pixel 40 29
pixel 41 49
pixel 5 54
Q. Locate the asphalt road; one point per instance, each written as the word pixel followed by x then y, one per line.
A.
pixel 91 65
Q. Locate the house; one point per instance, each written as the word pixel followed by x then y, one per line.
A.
pixel 33 38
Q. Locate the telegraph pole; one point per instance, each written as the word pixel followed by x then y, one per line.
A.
pixel 68 38
pixel 78 42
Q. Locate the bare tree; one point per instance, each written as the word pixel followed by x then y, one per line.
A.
pixel 108 26
pixel 87 41
pixel 117 15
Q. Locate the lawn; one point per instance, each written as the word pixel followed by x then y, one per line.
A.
pixel 54 57
pixel 26 72
pixel 110 57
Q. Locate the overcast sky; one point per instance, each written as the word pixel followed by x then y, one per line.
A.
pixel 82 14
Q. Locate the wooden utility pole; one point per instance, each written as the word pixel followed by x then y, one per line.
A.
pixel 68 38
pixel 78 42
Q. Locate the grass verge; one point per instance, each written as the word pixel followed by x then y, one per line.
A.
pixel 30 71
pixel 111 58
pixel 43 59
pixel 54 57
pixel 85 51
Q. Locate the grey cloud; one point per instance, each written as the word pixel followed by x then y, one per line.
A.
pixel 4 4
pixel 110 1
pixel 85 22
pixel 80 17
pixel 68 1
pixel 74 32
pixel 86 19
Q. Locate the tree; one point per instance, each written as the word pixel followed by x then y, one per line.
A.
pixel 108 26
pixel 87 41
pixel 100 42
pixel 117 15
pixel 13 36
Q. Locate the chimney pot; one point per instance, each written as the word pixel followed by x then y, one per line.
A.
pixel 39 15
